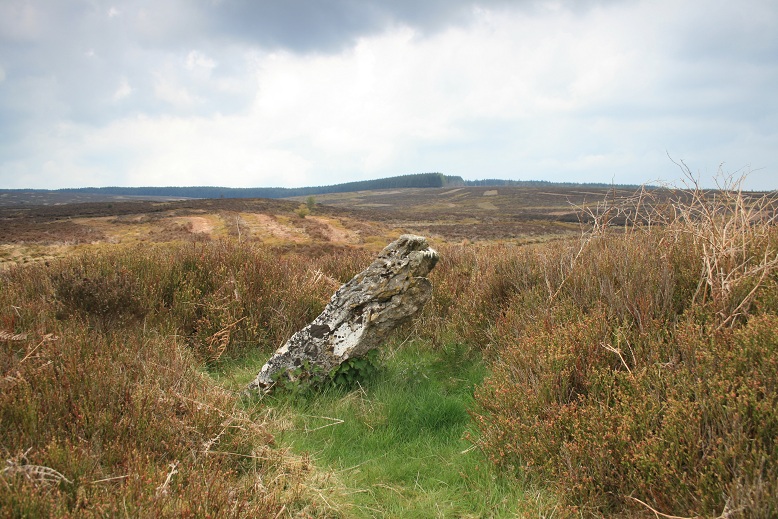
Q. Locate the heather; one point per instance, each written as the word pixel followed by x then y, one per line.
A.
pixel 631 370
pixel 635 370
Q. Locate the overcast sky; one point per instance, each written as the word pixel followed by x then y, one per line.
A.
pixel 255 93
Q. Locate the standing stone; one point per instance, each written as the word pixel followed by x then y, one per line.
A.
pixel 359 316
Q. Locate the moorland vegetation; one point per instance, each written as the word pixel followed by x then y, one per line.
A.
pixel 632 370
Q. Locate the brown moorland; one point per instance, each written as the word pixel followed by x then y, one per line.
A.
pixel 40 228
pixel 631 366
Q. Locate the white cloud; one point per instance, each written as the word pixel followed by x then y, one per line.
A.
pixel 124 90
pixel 225 151
pixel 168 89
pixel 593 95
pixel 197 61
pixel 396 91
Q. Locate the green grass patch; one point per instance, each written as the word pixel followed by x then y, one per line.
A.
pixel 398 444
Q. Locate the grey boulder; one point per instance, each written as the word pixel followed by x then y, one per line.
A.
pixel 359 316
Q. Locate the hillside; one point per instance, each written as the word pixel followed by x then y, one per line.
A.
pixel 419 180
pixel 358 219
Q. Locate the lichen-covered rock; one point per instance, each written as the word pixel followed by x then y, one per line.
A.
pixel 359 316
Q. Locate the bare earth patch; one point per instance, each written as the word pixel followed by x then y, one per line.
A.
pixel 200 224
pixel 262 224
pixel 336 234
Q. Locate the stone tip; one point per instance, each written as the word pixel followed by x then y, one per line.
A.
pixel 406 244
pixel 412 241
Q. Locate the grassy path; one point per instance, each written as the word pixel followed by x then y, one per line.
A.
pixel 396 444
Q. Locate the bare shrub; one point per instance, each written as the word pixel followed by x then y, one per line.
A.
pixel 735 235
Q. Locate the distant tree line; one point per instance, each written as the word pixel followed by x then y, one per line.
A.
pixel 418 180
pixel 497 182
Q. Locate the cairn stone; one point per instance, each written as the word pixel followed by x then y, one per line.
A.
pixel 359 316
